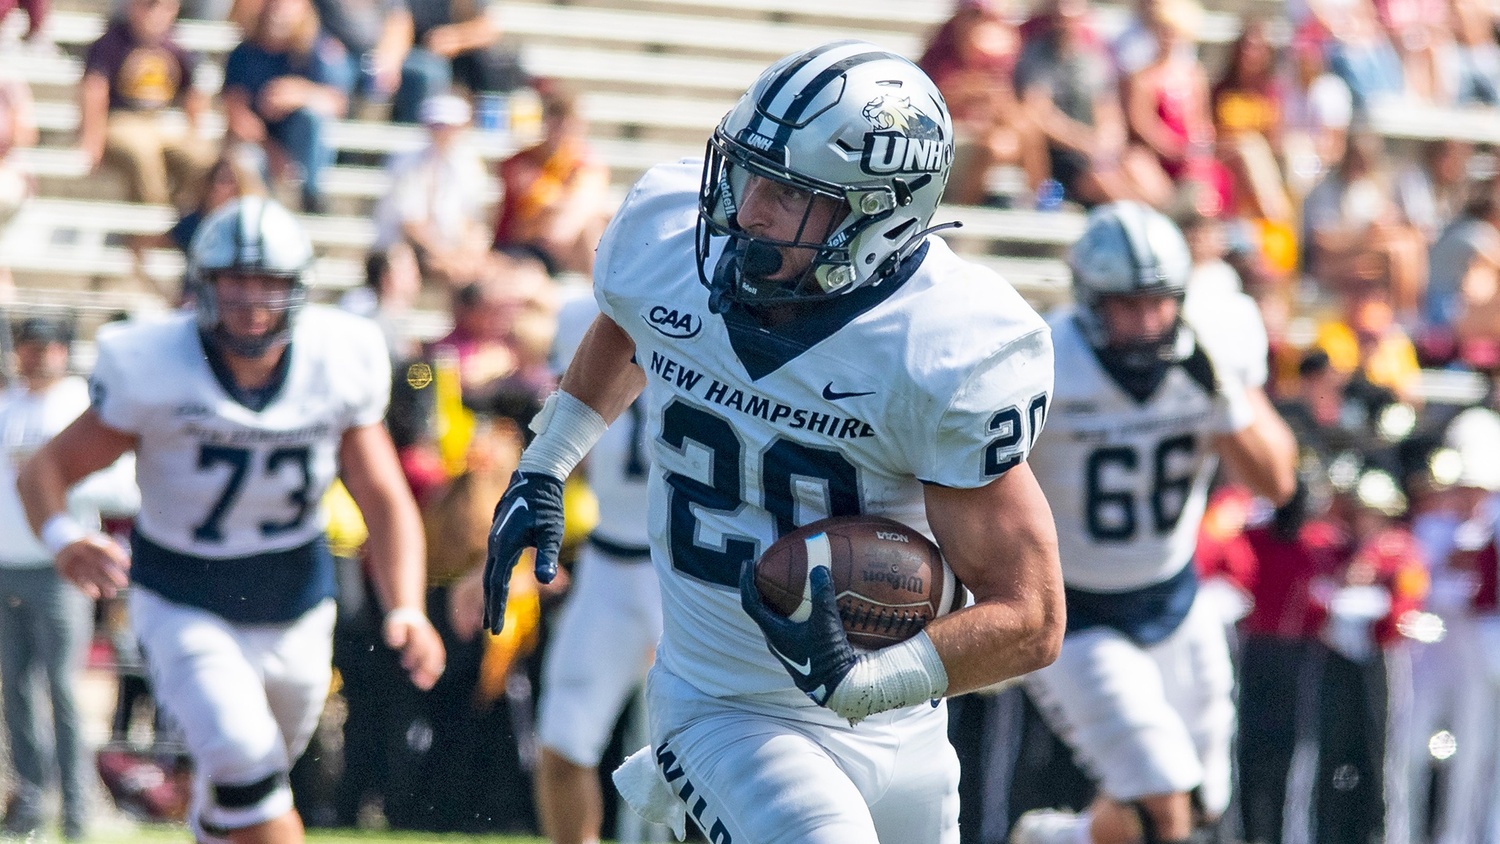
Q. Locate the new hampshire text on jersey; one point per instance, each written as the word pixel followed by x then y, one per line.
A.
pixel 754 404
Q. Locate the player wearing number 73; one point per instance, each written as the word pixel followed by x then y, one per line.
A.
pixel 240 415
pixel 1142 688
pixel 804 347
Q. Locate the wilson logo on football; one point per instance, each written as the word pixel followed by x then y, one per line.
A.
pixel 904 141
pixel 674 323
pixel 896 580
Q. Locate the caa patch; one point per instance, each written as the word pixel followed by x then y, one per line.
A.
pixel 671 322
pixel 904 140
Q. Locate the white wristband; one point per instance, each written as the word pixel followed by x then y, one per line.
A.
pixel 565 430
pixel 60 531
pixel 890 678
pixel 407 615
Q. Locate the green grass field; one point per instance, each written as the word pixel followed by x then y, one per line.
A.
pixel 178 835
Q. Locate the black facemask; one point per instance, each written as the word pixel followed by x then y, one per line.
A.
pixel 741 274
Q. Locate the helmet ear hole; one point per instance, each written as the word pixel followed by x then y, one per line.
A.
pixel 895 234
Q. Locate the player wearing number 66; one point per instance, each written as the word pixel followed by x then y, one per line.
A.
pixel 1145 402
pixel 240 415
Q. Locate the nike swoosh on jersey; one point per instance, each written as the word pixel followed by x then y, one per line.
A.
pixel 834 395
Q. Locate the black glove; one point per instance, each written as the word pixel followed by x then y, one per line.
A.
pixel 529 515
pixel 816 652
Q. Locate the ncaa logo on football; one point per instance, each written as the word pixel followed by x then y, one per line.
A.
pixel 671 322
pixel 904 141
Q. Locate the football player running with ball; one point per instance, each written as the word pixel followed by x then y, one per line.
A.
pixel 240 415
pixel 1142 688
pixel 806 349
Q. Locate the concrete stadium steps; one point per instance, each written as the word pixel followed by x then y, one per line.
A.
pixel 327 232
pixel 654 77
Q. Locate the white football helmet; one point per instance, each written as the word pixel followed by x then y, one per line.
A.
pixel 849 121
pixel 249 236
pixel 1129 249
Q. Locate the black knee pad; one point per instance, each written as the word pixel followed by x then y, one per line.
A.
pixel 249 794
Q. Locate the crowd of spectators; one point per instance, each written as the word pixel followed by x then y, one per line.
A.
pixel 1372 264
pixel 1367 260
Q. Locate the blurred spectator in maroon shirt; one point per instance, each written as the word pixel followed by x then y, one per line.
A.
pixel 1247 114
pixel 130 76
pixel 36 18
pixel 971 58
pixel 1274 561
pixel 1166 103
pixel 502 328
pixel 555 194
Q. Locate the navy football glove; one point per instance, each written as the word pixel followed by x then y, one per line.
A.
pixel 529 515
pixel 815 652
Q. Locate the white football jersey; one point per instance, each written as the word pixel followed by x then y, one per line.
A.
pixel 219 480
pixel 617 464
pixel 943 376
pixel 1127 479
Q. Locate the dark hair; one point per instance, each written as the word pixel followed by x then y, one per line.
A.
pixel 376 264
pixel 40 329
pixel 558 98
pixel 1484 199
pixel 525 253
pixel 1314 362
pixel 469 296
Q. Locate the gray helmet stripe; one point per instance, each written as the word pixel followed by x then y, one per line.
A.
pixel 1142 258
pixel 810 92
pixel 767 97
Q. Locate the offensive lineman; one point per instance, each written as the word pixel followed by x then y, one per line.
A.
pixel 607 632
pixel 806 350
pixel 1142 688
pixel 240 415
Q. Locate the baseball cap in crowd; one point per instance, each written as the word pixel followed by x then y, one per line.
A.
pixel 445 110
pixel 42 330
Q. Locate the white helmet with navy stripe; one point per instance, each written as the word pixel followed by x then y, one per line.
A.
pixel 847 120
pixel 251 235
pixel 1127 249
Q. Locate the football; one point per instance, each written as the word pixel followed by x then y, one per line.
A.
pixel 890 580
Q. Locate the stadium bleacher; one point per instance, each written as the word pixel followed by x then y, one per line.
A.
pixel 653 75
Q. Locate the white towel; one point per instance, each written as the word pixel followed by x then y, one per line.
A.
pixel 642 787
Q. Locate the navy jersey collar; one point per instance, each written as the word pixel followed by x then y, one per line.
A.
pixel 763 350
pixel 1142 385
pixel 256 398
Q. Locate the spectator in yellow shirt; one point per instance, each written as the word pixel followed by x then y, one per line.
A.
pixel 1368 340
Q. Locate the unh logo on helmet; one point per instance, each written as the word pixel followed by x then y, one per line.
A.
pixel 904 141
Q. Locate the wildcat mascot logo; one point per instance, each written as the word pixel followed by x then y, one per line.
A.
pixel 904 141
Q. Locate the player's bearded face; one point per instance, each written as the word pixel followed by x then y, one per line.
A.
pixel 1134 320
pixel 253 306
pixel 771 210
